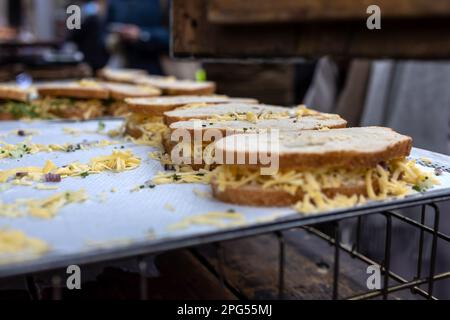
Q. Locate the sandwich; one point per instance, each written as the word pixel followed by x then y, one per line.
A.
pixel 15 102
pixel 318 170
pixel 236 111
pixel 87 99
pixel 119 92
pixel 167 84
pixel 209 131
pixel 173 87
pixel 131 76
pixel 146 118
pixel 120 75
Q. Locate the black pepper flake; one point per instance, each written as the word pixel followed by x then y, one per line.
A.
pixel 21 133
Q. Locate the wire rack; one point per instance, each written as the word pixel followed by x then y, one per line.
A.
pixel 422 284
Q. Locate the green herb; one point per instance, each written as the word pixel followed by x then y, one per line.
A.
pixel 101 126
pixel 84 174
pixel 176 177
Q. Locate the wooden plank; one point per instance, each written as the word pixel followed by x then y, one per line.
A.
pixel 270 84
pixel 194 36
pixel 251 267
pixel 282 11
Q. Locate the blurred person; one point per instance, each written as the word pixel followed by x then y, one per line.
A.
pixel 139 26
pixel 90 39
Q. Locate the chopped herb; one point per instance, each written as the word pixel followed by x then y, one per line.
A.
pixel 84 174
pixel 176 177
pixel 101 126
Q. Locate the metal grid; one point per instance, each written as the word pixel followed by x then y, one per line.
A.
pixel 389 277
pixel 354 252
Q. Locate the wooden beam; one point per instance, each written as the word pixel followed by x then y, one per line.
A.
pixel 194 36
pixel 282 11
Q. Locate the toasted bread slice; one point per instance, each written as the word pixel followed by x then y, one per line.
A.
pixel 133 76
pixel 208 112
pixel 120 75
pixel 346 148
pixel 173 87
pixel 321 121
pixel 257 196
pixel 16 93
pixel 81 89
pixel 159 105
pixel 122 91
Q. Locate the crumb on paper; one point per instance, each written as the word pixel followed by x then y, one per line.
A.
pixel 202 194
pixel 169 207
pixel 41 186
pixel 217 219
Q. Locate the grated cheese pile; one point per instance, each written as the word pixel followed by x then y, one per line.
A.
pixel 118 161
pixel 184 175
pixel 27 147
pixel 399 178
pixel 45 208
pixel 215 218
pixel 17 246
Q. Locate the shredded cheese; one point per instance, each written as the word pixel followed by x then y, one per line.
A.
pixel 399 178
pixel 17 246
pixel 118 161
pixel 152 128
pixel 216 218
pixel 189 176
pixel 45 208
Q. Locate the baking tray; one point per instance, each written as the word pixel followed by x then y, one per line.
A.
pixel 122 224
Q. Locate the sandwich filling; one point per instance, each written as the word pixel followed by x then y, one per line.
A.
pixel 148 130
pixel 324 188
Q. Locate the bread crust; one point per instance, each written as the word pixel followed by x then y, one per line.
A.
pixel 158 109
pixel 236 131
pixel 257 196
pixel 338 159
pixel 179 91
pixel 76 113
pixel 11 93
pixel 76 92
